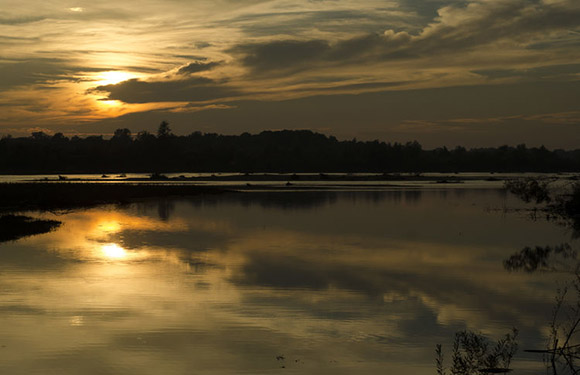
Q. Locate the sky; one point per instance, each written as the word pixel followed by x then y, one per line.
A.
pixel 470 72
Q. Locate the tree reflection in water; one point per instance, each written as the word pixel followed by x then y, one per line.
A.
pixel 547 258
pixel 563 347
pixel 564 343
pixel 472 353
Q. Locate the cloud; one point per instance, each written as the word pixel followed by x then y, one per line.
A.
pixel 281 54
pixel 44 72
pixel 486 21
pixel 32 72
pixel 197 66
pixel 515 23
pixel 300 21
pixel 20 20
pixel 194 89
pixel 8 39
pixel 553 72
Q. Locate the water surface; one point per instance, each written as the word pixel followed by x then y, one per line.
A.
pixel 272 282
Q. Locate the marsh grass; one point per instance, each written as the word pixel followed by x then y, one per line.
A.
pixel 13 227
pixel 16 197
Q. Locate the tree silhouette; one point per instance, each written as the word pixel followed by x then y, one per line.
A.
pixel 164 130
pixel 122 135
pixel 269 151
pixel 40 136
pixel 144 136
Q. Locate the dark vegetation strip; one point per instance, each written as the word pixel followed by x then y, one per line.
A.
pixel 269 151
pixel 60 196
pixel 13 227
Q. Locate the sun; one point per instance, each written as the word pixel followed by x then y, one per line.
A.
pixel 112 77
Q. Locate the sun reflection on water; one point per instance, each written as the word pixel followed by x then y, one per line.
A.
pixel 108 226
pixel 113 251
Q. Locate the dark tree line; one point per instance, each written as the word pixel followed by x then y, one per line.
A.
pixel 268 151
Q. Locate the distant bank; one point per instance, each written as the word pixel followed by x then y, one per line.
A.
pixel 267 152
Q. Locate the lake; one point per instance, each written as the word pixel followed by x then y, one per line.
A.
pixel 309 282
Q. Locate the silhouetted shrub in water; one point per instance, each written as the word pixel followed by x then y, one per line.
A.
pixel 563 202
pixel 529 189
pixel 475 354
pixel 563 348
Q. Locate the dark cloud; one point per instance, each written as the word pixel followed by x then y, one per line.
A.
pixel 20 20
pixel 190 57
pixel 370 86
pixel 281 54
pixel 455 30
pixel 481 23
pixel 188 90
pixel 551 72
pixel 202 45
pixel 8 39
pixel 32 71
pixel 197 66
pixel 562 43
pixel 142 69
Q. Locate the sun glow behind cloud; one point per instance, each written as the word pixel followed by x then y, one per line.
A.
pixel 112 77
pixel 101 106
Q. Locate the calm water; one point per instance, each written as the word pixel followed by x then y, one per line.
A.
pixel 328 282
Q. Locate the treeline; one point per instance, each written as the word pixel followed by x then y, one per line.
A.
pixel 269 151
